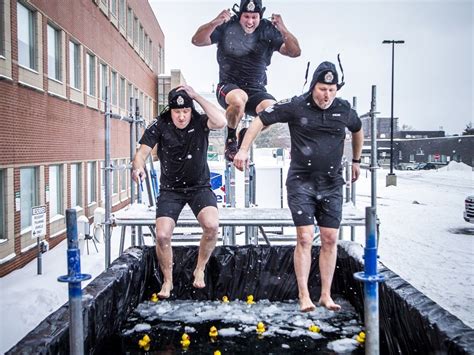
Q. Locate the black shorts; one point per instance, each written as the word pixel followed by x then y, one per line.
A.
pixel 307 201
pixel 255 96
pixel 171 203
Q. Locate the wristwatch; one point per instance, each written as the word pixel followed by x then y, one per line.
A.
pixel 357 160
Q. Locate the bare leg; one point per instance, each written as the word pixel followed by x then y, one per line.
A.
pixel 164 231
pixel 236 100
pixel 209 220
pixel 302 260
pixel 327 265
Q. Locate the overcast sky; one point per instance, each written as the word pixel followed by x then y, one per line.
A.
pixel 433 69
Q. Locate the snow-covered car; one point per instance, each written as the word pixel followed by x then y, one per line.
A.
pixel 469 209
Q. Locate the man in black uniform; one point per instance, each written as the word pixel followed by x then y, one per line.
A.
pixel 182 136
pixel 245 44
pixel 317 121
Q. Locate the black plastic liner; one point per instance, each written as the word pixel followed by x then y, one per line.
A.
pixel 409 321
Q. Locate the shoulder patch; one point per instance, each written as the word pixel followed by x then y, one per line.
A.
pixel 283 102
pixel 269 109
pixel 152 123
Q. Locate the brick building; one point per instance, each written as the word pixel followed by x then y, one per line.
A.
pixel 56 59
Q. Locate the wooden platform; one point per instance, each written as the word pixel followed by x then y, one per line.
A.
pixel 140 215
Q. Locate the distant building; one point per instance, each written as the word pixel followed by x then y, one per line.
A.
pixel 56 60
pixel 420 134
pixel 383 127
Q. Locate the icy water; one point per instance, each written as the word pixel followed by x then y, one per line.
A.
pixel 286 328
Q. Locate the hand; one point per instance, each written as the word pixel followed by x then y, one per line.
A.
pixel 241 160
pixel 189 90
pixel 355 171
pixel 223 17
pixel 138 175
pixel 277 21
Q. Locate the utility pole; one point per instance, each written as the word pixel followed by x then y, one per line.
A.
pixel 391 177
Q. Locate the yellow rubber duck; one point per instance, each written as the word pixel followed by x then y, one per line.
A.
pixel 361 337
pixel 144 342
pixel 225 299
pixel 217 352
pixel 154 298
pixel 213 333
pixel 314 328
pixel 250 299
pixel 260 328
pixel 185 340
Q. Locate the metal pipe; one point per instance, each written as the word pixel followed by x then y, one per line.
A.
pixel 371 287
pixel 108 196
pixel 373 155
pixel 139 191
pixel 74 278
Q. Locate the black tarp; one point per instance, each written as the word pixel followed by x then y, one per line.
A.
pixel 410 322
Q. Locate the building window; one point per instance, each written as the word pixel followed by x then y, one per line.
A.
pixel 145 45
pixel 55 191
pixel 122 12
pixel 92 182
pixel 129 23
pixel 135 30
pixel 2 30
pixel 161 60
pixel 3 235
pixel 104 70
pixel 27 47
pixel 76 185
pixel 419 151
pixel 28 194
pixel 113 86
pixel 102 180
pixel 90 74
pixel 74 65
pixel 54 53
pixel 122 93
pixel 123 175
pixel 115 184
pixel 113 7
pixel 140 38
pixel 150 52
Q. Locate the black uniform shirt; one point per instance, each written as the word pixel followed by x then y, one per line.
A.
pixel 317 136
pixel 182 152
pixel 243 58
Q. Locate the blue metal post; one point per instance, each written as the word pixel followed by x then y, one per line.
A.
pixel 74 278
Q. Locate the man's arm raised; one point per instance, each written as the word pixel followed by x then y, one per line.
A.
pixel 202 37
pixel 241 159
pixel 290 46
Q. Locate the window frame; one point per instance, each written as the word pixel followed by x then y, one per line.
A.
pixel 75 65
pixel 58 188
pixel 3 226
pixel 25 225
pixel 32 38
pixel 91 182
pixel 57 52
pixel 91 74
pixel 76 191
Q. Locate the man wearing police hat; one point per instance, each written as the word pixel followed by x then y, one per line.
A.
pixel 317 121
pixel 245 45
pixel 182 138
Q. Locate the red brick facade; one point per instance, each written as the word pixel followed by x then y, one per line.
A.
pixel 39 128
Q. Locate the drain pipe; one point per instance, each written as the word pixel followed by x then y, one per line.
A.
pixel 369 276
pixel 74 278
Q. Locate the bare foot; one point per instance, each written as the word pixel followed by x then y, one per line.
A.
pixel 166 289
pixel 329 304
pixel 199 279
pixel 306 305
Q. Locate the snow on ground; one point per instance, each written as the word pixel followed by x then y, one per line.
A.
pixel 423 238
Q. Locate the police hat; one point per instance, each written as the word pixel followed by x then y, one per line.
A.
pixel 250 6
pixel 179 99
pixel 326 73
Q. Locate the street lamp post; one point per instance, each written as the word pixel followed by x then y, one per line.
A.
pixel 391 177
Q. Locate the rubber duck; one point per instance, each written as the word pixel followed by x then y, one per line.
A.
pixel 314 328
pixel 185 341
pixel 361 338
pixel 154 298
pixel 260 328
pixel 213 333
pixel 250 299
pixel 144 342
pixel 225 299
pixel 217 352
